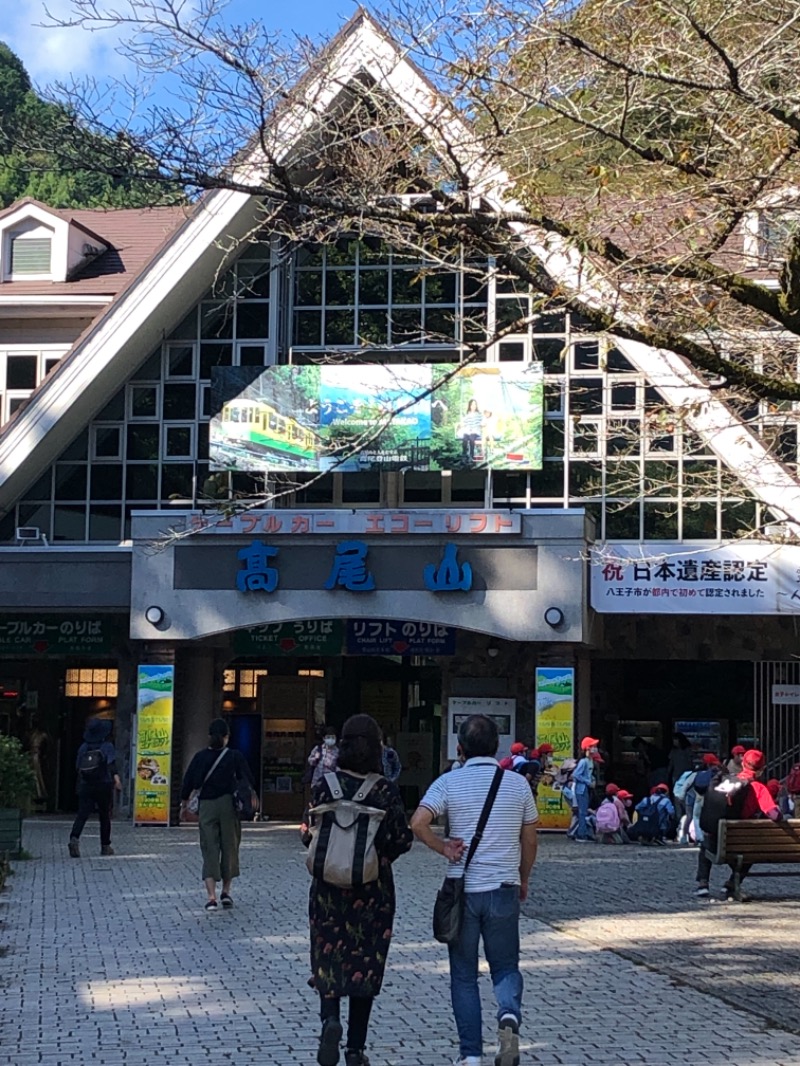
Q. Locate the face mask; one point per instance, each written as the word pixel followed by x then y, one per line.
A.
pixel 330 741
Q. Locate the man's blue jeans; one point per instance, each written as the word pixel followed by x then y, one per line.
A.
pixel 494 916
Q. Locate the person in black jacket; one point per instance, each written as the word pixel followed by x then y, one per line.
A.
pixel 214 773
pixel 96 764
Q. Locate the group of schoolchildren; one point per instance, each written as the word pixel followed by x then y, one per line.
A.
pixel 664 815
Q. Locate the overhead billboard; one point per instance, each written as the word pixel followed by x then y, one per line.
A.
pixel 438 416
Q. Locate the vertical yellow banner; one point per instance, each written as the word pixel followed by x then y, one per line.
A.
pixel 555 724
pixel 154 704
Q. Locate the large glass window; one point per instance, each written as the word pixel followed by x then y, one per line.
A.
pixel 611 443
pixel 359 293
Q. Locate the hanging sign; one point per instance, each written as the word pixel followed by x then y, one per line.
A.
pixel 555 718
pixel 684 578
pixel 154 711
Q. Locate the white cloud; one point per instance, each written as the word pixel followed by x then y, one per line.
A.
pixel 55 54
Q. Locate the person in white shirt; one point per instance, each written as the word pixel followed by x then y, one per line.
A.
pixel 495 883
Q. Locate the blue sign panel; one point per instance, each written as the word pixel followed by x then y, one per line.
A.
pixel 384 636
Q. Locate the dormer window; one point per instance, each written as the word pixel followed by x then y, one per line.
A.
pixel 29 252
pixel 30 255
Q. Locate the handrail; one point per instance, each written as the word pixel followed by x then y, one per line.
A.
pixel 784 762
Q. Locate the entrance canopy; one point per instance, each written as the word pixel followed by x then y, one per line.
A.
pixel 516 575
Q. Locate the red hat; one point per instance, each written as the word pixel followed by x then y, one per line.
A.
pixel 612 789
pixel 589 742
pixel 534 753
pixel 623 794
pixel 710 760
pixel 545 749
pixel 738 750
pixel 753 760
pixel 517 748
pixel 661 788
pixel 774 787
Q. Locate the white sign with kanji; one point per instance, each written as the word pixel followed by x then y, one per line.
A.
pixel 667 577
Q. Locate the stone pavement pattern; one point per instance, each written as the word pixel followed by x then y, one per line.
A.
pixel 637 901
pixel 113 961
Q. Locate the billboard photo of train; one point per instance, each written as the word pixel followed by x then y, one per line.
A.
pixel 376 416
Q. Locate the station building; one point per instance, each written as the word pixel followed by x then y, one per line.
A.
pixel 611 592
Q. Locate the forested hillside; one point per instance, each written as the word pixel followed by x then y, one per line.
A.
pixel 27 122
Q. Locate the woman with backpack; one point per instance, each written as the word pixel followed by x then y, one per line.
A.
pixel 351 924
pixel 214 775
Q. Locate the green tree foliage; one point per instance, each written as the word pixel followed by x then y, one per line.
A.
pixel 31 132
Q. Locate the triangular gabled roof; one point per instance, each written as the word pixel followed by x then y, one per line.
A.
pixel 111 350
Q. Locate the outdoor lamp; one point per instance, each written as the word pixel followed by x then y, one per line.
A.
pixel 554 617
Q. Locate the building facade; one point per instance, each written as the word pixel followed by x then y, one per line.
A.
pixel 502 590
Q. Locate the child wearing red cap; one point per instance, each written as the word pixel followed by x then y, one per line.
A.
pixel 734 765
pixel 583 783
pixel 656 817
pixel 612 817
pixel 739 796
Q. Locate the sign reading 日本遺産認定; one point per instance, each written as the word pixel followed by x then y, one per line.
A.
pixel 662 577
pixel 154 710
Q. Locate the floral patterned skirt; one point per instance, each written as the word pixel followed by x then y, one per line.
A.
pixel 351 929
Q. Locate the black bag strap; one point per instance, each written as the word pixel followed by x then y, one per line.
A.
pixel 217 761
pixel 491 795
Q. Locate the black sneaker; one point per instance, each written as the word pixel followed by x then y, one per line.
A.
pixel 74 847
pixel 330 1038
pixel 355 1058
pixel 702 892
pixel 507 1041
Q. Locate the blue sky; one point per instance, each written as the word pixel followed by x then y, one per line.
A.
pixel 51 55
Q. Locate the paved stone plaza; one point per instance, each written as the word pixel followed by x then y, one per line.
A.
pixel 114 961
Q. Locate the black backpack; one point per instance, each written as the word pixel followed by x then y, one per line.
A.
pixel 724 801
pixel 92 766
pixel 648 822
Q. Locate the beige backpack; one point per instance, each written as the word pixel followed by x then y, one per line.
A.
pixel 342 850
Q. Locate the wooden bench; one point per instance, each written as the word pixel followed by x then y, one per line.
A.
pixel 757 841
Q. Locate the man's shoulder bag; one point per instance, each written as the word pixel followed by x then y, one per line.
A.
pixel 448 911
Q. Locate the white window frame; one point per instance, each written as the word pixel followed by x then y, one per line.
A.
pixel 269 351
pixel 27 229
pixel 119 427
pixel 165 428
pixel 192 375
pixel 625 381
pixel 652 431
pixel 131 389
pixel 585 420
pixel 583 342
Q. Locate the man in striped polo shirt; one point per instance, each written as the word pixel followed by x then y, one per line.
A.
pixel 496 882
